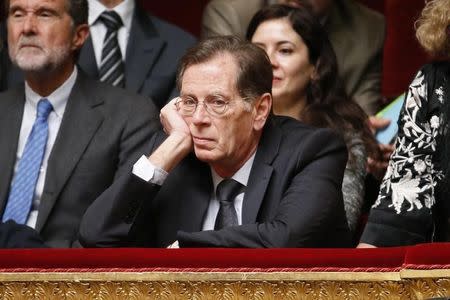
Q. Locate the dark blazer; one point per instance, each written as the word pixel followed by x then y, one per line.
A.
pixel 13 235
pixel 153 51
pixel 293 199
pixel 103 132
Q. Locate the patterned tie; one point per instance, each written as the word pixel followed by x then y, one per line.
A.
pixel 24 182
pixel 112 66
pixel 226 191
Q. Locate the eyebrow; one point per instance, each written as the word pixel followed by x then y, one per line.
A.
pixel 277 43
pixel 285 42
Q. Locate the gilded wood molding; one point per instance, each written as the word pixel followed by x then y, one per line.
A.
pixel 410 289
pixel 405 289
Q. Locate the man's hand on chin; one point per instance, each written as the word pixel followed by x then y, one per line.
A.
pixel 179 141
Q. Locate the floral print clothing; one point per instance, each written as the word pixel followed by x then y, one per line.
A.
pixel 403 211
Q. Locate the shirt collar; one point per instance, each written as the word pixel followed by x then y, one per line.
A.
pixel 240 176
pixel 58 98
pixel 124 9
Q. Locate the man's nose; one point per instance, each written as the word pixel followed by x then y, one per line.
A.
pixel 200 114
pixel 29 24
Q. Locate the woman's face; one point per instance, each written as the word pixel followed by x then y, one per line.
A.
pixel 289 56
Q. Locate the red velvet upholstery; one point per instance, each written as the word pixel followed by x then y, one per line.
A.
pixel 265 260
pixel 403 55
pixel 185 14
pixel 428 256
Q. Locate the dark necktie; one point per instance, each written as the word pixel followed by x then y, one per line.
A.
pixel 24 183
pixel 112 69
pixel 226 191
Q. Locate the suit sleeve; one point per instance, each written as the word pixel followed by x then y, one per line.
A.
pixel 368 90
pixel 140 127
pixel 107 220
pixel 310 208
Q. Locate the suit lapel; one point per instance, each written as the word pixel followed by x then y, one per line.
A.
pixel 10 123
pixel 261 172
pixel 87 61
pixel 144 48
pixel 195 196
pixel 80 122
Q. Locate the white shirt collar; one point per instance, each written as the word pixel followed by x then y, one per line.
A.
pixel 124 10
pixel 58 98
pixel 240 176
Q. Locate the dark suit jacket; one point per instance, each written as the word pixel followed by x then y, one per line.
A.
pixel 13 235
pixel 293 199
pixel 103 131
pixel 153 51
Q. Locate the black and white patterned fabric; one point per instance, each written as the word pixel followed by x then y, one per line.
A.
pixel 405 211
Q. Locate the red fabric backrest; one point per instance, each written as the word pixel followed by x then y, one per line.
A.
pixel 403 55
pixel 129 258
pixel 431 255
pixel 185 14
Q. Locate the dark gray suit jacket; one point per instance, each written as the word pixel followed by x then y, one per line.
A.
pixel 153 51
pixel 293 199
pixel 103 132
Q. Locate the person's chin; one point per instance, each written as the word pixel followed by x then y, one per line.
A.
pixel 30 63
pixel 205 155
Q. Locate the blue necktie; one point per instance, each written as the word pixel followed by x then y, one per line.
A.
pixel 24 182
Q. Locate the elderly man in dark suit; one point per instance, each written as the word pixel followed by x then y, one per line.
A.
pixel 253 179
pixel 65 138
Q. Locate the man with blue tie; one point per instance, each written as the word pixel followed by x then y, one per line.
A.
pixel 65 138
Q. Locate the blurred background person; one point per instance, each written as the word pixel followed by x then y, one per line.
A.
pixel 356 33
pixel 413 205
pixel 306 87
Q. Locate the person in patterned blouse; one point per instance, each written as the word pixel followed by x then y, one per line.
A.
pixel 413 205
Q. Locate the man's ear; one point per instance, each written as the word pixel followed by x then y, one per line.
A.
pixel 262 109
pixel 80 36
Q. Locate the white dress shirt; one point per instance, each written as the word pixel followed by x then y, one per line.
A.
pixel 58 99
pixel 98 29
pixel 145 170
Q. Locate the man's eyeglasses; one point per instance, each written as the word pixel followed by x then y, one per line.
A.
pixel 214 106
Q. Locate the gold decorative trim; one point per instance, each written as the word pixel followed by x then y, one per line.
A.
pixel 199 276
pixel 405 284
pixel 433 273
pixel 409 289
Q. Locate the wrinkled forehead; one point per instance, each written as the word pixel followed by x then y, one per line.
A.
pixel 33 5
pixel 219 73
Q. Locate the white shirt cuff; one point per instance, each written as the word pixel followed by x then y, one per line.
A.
pixel 145 170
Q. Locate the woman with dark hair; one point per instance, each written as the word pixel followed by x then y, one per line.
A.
pixel 306 87
pixel 413 205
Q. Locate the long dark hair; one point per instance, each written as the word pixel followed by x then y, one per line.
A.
pixel 327 104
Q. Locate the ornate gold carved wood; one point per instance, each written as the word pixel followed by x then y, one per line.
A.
pixel 406 284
